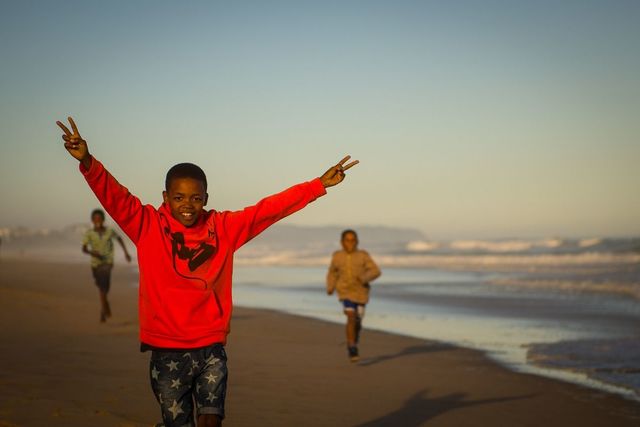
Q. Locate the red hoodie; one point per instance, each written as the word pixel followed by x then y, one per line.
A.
pixel 185 272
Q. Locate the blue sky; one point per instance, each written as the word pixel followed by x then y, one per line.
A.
pixel 471 119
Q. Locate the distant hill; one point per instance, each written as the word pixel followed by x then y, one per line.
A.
pixel 378 238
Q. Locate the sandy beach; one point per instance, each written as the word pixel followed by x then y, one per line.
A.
pixel 61 367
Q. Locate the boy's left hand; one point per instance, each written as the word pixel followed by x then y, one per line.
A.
pixel 335 174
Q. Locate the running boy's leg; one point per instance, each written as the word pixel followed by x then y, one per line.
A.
pixel 359 316
pixel 210 367
pixel 354 313
pixel 171 382
pixel 351 327
pixel 102 276
pixel 350 310
pixel 209 420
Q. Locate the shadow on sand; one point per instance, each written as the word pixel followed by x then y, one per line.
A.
pixel 418 409
pixel 416 349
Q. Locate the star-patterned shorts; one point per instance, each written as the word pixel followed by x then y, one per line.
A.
pixel 180 378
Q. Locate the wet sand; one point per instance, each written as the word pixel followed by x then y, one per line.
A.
pixel 60 367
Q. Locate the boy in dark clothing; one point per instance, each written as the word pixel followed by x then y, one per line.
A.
pixel 185 256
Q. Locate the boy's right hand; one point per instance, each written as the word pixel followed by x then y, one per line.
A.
pixel 75 145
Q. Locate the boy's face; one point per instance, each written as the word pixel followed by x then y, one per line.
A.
pixel 186 199
pixel 349 242
pixel 97 220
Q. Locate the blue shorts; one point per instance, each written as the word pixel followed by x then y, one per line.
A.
pixel 178 378
pixel 353 306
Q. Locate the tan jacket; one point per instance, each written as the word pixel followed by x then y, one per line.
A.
pixel 350 274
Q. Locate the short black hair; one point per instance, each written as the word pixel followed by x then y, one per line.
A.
pixel 185 170
pixel 97 212
pixel 348 231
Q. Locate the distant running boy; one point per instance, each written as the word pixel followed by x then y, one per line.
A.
pixel 98 242
pixel 185 256
pixel 350 273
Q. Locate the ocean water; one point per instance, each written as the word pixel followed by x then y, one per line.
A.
pixel 566 332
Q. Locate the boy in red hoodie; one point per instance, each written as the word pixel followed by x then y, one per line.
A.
pixel 185 257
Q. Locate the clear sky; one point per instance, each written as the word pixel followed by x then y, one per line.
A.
pixel 471 119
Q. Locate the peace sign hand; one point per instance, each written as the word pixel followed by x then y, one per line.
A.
pixel 335 174
pixel 75 145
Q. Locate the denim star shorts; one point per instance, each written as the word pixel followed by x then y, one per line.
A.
pixel 181 378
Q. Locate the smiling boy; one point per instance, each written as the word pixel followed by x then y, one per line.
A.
pixel 185 258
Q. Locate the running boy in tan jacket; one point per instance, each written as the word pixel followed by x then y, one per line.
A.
pixel 350 273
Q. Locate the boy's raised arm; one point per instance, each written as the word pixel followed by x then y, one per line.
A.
pixel 244 225
pixel 124 208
